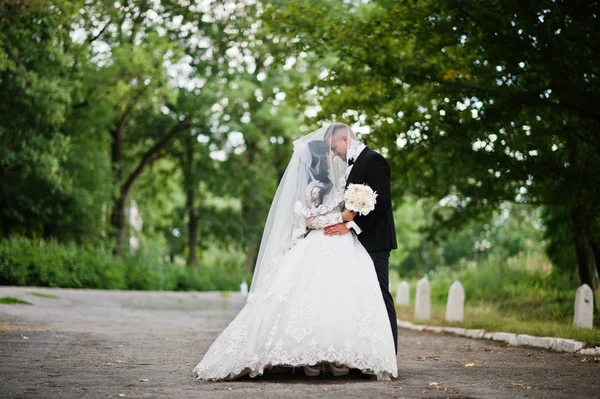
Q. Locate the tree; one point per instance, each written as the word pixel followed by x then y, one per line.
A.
pixel 39 194
pixel 255 118
pixel 474 103
pixel 128 95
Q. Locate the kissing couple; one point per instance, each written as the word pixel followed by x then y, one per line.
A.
pixel 319 297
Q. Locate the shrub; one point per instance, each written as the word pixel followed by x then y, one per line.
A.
pixel 27 262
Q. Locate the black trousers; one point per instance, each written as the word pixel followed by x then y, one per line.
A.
pixel 381 259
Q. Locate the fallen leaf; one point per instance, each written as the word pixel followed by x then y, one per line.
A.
pixel 523 385
pixel 433 384
pixel 470 365
pixel 590 360
pixel 121 394
pixel 25 337
pixel 143 379
pixel 121 362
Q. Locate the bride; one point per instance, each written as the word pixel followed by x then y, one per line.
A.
pixel 315 300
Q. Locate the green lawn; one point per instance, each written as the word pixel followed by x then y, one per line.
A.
pixel 9 300
pixel 491 319
pixel 41 295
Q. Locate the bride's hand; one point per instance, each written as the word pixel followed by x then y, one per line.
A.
pixel 336 230
pixel 348 215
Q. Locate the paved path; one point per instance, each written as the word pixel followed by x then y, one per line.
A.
pixel 102 344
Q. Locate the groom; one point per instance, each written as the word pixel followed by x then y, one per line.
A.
pixel 376 230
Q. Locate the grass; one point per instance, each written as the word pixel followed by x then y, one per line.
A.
pixel 9 300
pixel 225 294
pixel 492 319
pixel 41 295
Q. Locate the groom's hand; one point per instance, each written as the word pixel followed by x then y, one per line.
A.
pixel 336 230
pixel 348 215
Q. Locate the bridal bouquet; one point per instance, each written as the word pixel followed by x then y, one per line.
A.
pixel 360 198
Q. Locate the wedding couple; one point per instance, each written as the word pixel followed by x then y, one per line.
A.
pixel 319 297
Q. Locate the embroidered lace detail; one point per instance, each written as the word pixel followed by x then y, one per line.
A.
pixel 318 216
pixel 368 322
pixel 269 342
pixel 320 222
pixel 314 216
pixel 231 341
pixel 301 320
pixel 272 271
pixel 281 292
pixel 254 365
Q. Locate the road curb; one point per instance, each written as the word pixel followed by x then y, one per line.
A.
pixel 551 343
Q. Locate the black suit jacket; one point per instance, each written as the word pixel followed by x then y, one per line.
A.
pixel 378 230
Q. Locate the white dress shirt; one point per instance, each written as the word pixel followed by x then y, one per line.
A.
pixel 355 147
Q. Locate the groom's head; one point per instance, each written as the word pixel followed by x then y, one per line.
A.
pixel 338 137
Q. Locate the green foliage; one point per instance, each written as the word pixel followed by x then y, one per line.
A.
pixel 491 319
pixel 91 92
pixel 42 295
pixel 559 235
pixel 35 188
pixel 26 262
pixel 509 232
pixel 217 270
pixel 475 104
pixel 9 300
pixel 520 294
pixel 528 293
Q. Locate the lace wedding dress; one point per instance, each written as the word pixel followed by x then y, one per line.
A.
pixel 321 303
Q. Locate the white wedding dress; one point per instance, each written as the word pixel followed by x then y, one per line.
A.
pixel 321 303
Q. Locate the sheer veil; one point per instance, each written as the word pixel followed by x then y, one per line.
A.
pixel 313 169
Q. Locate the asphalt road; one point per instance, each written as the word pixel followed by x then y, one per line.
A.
pixel 119 344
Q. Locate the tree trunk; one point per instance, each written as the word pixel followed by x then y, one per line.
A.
pixel 118 215
pixel 192 238
pixel 586 260
pixel 595 246
pixel 117 221
pixel 116 151
pixel 190 187
pixel 251 259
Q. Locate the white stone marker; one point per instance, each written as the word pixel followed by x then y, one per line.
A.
pixel 135 221
pixel 244 288
pixel 403 294
pixel 423 300
pixel 455 308
pixel 584 307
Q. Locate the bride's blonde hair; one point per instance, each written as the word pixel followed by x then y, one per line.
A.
pixel 331 129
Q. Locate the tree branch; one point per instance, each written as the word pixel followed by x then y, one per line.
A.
pixel 150 155
pixel 90 40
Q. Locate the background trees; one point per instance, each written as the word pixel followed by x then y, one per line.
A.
pixel 476 104
pixel 487 111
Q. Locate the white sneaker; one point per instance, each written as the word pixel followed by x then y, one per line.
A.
pixel 311 371
pixel 339 371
